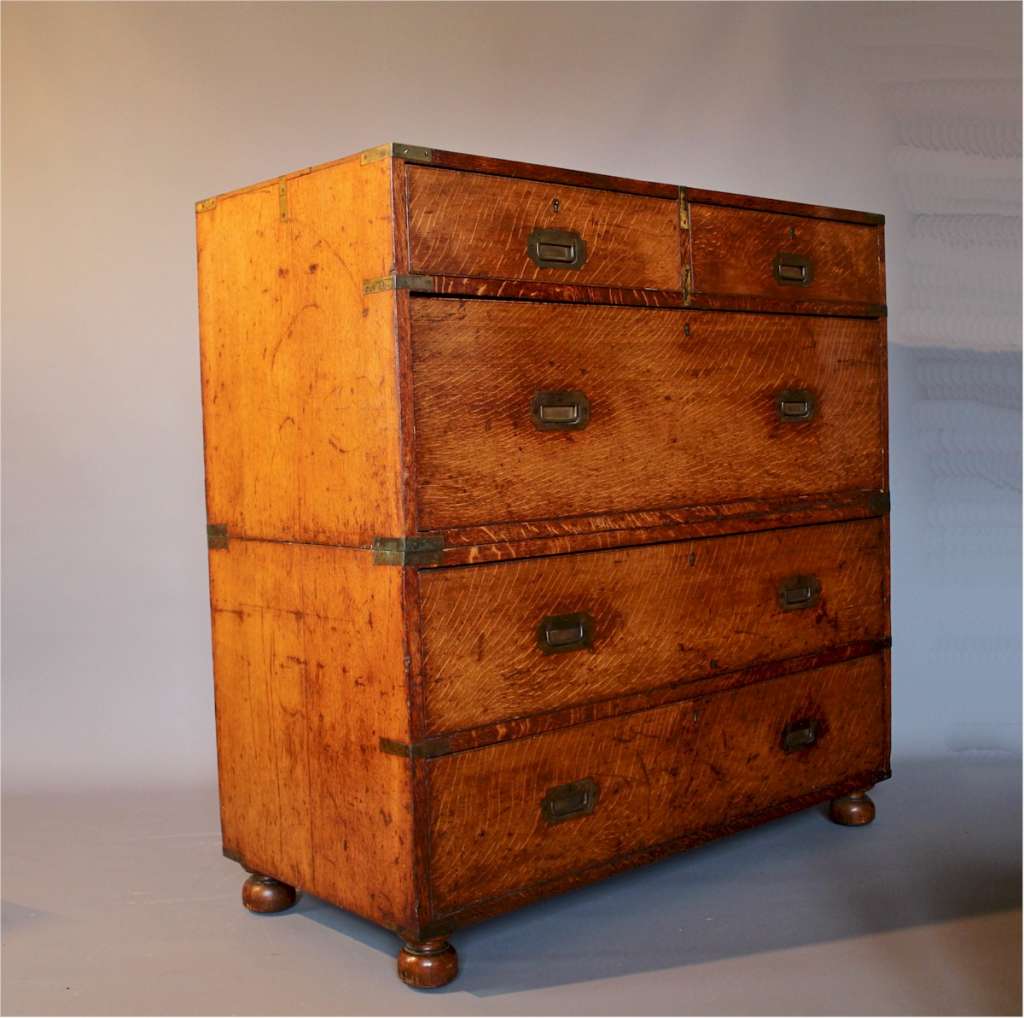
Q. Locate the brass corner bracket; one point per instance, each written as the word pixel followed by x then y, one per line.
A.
pixel 216 535
pixel 408 551
pixel 395 281
pixel 410 153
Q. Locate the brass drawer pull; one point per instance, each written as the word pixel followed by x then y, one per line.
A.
pixel 796 405
pixel 565 802
pixel 560 411
pixel 799 592
pixel 559 633
pixel 556 249
pixel 793 269
pixel 799 735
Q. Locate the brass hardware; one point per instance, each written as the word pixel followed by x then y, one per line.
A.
pixel 798 592
pixel 216 535
pixel 408 551
pixel 684 210
pixel 795 405
pixel 556 249
pixel 880 503
pixel 206 204
pixel 793 269
pixel 687 284
pixel 424 284
pixel 559 633
pixel 282 199
pixel 410 153
pixel 556 204
pixel 566 802
pixel 799 735
pixel 560 410
pixel 425 750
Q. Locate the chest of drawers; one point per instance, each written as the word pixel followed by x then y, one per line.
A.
pixel 547 524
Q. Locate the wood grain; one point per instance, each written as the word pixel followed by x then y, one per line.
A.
pixel 471 224
pixel 734 252
pixel 661 614
pixel 676 419
pixel 309 673
pixel 300 388
pixel 659 773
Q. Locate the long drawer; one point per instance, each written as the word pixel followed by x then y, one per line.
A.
pixel 527 411
pixel 512 815
pixel 511 639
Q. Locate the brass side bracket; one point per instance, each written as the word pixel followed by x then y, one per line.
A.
pixel 206 205
pixel 410 153
pixel 408 551
pixel 425 284
pixel 880 503
pixel 217 535
pixel 425 750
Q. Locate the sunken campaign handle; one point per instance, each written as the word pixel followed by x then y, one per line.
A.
pixel 556 249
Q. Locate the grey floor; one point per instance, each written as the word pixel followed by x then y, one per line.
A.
pixel 122 904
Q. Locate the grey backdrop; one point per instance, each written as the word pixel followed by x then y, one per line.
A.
pixel 118 117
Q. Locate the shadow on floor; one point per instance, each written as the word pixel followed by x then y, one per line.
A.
pixel 946 844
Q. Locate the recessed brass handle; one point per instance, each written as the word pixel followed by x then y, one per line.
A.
pixel 559 633
pixel 799 735
pixel 792 269
pixel 565 802
pixel 799 592
pixel 556 249
pixel 796 405
pixel 563 410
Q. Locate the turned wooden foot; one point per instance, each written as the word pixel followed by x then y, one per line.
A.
pixel 428 965
pixel 265 894
pixel 853 810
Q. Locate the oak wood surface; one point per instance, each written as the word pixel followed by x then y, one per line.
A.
pixel 300 389
pixel 734 252
pixel 309 673
pixel 659 773
pixel 469 224
pixel 677 419
pixel 660 614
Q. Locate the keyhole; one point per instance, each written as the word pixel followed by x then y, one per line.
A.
pixel 555 205
pixel 792 233
pixel 686 329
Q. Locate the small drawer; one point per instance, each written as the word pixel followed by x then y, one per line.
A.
pixel 476 224
pixel 532 411
pixel 515 814
pixel 737 252
pixel 516 638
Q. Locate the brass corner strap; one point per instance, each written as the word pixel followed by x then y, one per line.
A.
pixel 410 153
pixel 206 205
pixel 425 750
pixel 395 281
pixel 408 551
pixel 684 210
pixel 880 503
pixel 217 535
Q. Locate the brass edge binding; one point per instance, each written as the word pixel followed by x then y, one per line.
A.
pixel 216 535
pixel 425 750
pixel 282 199
pixel 425 284
pixel 410 153
pixel 408 551
pixel 206 205
pixel 684 210
pixel 880 503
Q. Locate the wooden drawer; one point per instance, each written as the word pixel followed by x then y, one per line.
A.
pixel 684 409
pixel 634 619
pixel 783 257
pixel 498 815
pixel 476 224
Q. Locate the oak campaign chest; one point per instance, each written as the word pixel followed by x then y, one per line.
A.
pixel 548 528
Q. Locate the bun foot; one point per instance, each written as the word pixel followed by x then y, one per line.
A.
pixel 853 810
pixel 265 894
pixel 428 965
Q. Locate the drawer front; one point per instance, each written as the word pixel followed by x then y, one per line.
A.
pixel 789 258
pixel 521 812
pixel 517 638
pixel 474 224
pixel 536 411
